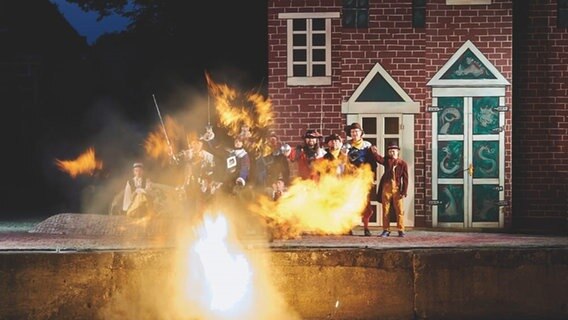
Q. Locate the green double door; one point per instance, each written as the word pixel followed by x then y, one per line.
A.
pixel 468 162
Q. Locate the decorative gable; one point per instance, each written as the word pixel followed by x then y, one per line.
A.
pixel 379 89
pixel 468 67
pixel 379 93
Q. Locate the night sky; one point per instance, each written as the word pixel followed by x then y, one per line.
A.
pixel 103 93
pixel 86 24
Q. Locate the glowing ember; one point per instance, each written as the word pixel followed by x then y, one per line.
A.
pixel 86 163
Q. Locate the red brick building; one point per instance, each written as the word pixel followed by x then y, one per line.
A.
pixel 474 91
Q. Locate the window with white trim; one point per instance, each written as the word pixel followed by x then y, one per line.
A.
pixel 562 19
pixel 309 48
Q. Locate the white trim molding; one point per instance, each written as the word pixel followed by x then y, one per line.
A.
pixel 353 106
pixel 437 80
pixel 309 79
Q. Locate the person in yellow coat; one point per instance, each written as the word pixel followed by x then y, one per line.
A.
pixel 393 187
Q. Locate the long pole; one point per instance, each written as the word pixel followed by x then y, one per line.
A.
pixel 321 112
pixel 164 129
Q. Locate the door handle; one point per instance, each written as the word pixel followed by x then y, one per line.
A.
pixel 470 170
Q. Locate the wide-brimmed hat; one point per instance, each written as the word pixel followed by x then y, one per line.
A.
pixel 333 136
pixel 354 125
pixel 393 146
pixel 310 133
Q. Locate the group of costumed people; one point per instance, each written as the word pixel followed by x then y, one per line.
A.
pixel 393 185
pixel 210 168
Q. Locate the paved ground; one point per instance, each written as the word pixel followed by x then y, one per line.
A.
pixel 83 232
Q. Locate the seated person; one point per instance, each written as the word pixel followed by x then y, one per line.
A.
pixel 136 201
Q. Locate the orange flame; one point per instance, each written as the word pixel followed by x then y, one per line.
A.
pixel 330 205
pixel 235 111
pixel 86 163
pixel 156 144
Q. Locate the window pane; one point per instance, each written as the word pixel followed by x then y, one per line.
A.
pixel 362 18
pixel 419 3
pixel 318 70
pixel 318 24
pixel 299 55
pixel 348 18
pixel 318 39
pixel 363 3
pixel 299 24
pixel 299 40
pixel 370 125
pixel 563 18
pixel 318 55
pixel 349 3
pixel 418 18
pixel 373 141
pixel 391 125
pixel 300 70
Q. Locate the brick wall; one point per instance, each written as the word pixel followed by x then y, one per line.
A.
pixel 411 56
pixel 540 144
pixel 299 108
pixel 400 49
pixel 389 40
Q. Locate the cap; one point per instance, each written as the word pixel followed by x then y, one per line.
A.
pixel 138 165
pixel 310 133
pixel 333 136
pixel 393 146
pixel 354 125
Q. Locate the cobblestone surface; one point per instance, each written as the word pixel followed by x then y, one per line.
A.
pixel 91 232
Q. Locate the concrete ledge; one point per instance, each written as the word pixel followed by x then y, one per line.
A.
pixel 497 283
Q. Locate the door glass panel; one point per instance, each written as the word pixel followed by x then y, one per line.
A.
pixel 450 115
pixel 451 209
pixel 450 159
pixel 485 208
pixel 486 159
pixel 370 125
pixel 391 125
pixel 485 115
pixel 373 141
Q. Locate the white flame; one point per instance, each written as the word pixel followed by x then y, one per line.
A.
pixel 226 276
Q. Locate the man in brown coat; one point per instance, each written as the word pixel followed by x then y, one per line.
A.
pixel 393 187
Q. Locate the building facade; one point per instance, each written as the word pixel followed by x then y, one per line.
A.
pixel 437 77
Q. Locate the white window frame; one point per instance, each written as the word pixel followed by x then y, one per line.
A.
pixel 308 16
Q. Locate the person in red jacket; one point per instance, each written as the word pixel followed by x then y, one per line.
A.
pixel 304 155
pixel 393 187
